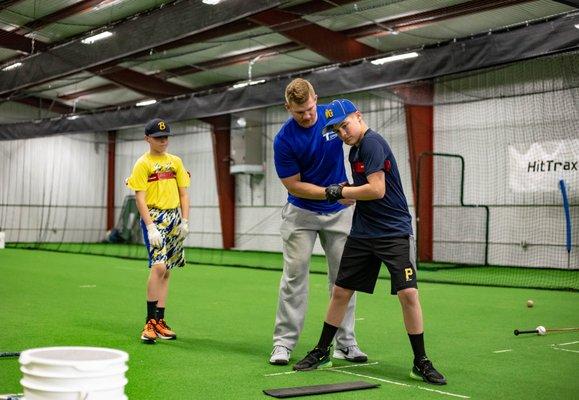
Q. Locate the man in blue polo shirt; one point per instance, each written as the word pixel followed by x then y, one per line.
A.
pixel 381 233
pixel 306 162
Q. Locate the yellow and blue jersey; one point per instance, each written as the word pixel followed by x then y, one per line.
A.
pixel 160 177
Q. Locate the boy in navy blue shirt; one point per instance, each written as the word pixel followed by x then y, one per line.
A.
pixel 381 232
pixel 307 162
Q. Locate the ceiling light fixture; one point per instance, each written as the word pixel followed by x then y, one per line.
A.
pixel 247 83
pixel 397 57
pixel 72 117
pixel 240 85
pixel 241 122
pixel 577 26
pixel 97 37
pixel 12 66
pixel 146 103
pixel 211 2
pixel 105 4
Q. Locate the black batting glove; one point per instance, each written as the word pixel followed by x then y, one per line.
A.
pixel 334 193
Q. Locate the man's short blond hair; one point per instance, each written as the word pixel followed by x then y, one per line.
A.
pixel 299 91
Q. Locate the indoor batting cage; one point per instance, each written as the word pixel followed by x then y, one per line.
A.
pixel 497 189
pixel 477 102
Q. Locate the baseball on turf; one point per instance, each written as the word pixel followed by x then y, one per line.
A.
pixel 530 303
pixel 541 330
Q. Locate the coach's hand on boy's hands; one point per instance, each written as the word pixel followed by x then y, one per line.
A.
pixel 334 193
pixel 184 228
pixel 346 202
pixel 154 235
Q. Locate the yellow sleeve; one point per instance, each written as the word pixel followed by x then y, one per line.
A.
pixel 139 177
pixel 183 177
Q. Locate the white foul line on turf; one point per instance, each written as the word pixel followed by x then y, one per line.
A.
pixel 566 344
pixel 401 384
pixel 572 351
pixel 324 369
pixel 502 351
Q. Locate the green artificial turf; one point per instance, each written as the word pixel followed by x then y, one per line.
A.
pixel 541 278
pixel 224 320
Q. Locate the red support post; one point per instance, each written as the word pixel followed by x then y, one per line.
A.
pixel 111 150
pixel 221 136
pixel 418 106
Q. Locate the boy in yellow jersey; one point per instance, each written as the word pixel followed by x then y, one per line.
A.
pixel 160 183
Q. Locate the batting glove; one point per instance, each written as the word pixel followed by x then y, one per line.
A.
pixel 155 238
pixel 334 193
pixel 184 227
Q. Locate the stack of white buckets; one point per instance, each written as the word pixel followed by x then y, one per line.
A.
pixel 74 373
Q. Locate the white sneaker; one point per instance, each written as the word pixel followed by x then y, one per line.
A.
pixel 352 353
pixel 280 355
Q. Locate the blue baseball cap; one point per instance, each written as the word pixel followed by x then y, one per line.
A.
pixel 337 111
pixel 157 127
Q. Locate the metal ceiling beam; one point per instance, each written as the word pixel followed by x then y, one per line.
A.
pixel 145 84
pixel 570 3
pixel 14 41
pixel 213 33
pixel 226 61
pixel 136 35
pixel 8 3
pixel 315 6
pixel 332 45
pixel 82 93
pixel 47 104
pixel 77 8
pixel 420 19
pixel 213 88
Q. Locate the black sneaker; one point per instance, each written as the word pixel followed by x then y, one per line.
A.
pixel 423 370
pixel 317 358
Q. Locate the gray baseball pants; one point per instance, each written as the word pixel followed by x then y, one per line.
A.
pixel 299 229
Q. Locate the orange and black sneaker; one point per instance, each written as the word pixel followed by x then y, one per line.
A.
pixel 163 331
pixel 149 334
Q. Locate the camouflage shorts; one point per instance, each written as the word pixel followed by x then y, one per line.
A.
pixel 171 252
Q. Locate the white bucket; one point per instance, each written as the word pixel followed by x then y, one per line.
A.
pixel 74 373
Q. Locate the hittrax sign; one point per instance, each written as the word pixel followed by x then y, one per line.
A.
pixel 539 167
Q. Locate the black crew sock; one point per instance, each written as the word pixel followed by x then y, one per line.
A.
pixel 151 310
pixel 328 333
pixel 160 313
pixel 417 343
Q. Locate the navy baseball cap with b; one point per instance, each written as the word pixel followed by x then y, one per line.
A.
pixel 157 127
pixel 337 111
